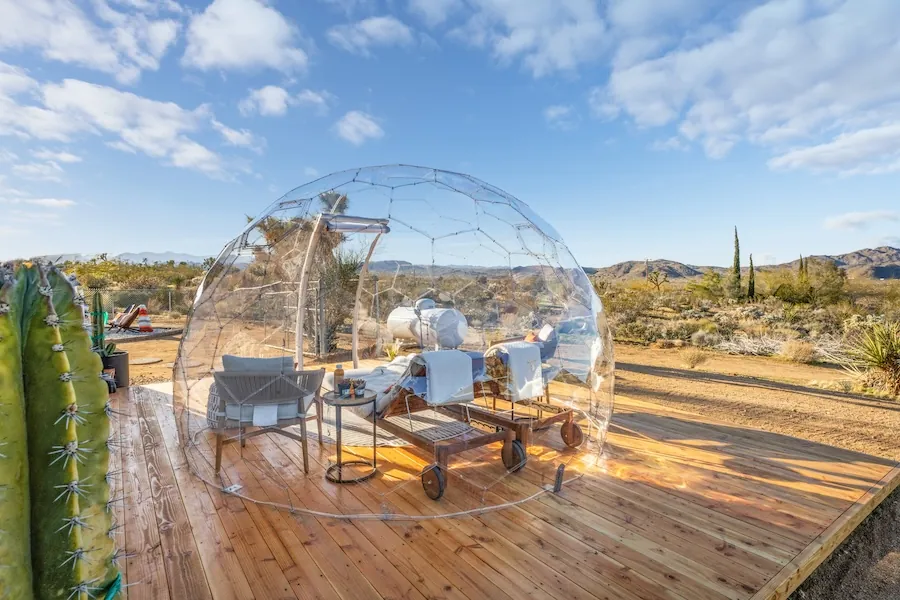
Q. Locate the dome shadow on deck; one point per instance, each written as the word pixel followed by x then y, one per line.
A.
pixel 479 355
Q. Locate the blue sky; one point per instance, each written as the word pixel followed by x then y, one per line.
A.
pixel 638 128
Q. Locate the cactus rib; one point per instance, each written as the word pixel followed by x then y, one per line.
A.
pixel 55 436
pixel 15 550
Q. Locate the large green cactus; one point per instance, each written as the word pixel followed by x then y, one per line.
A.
pixel 57 537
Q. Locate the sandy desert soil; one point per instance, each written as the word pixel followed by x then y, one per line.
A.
pixel 758 392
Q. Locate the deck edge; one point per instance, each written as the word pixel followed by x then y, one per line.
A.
pixel 789 578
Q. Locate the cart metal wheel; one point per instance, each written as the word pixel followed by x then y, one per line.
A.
pixel 514 457
pixel 572 434
pixel 434 482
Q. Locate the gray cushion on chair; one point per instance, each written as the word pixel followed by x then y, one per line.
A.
pixel 240 363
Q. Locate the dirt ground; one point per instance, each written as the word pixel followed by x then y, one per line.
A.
pixel 766 393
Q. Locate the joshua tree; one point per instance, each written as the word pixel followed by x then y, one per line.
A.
pixel 657 279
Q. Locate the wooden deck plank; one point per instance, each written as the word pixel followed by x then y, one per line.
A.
pixel 180 554
pixel 423 574
pixel 681 509
pixel 145 567
pixel 120 425
pixel 224 573
pixel 794 573
pixel 320 556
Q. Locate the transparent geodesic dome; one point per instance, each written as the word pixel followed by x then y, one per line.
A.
pixel 479 347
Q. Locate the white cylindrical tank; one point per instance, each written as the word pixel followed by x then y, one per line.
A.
pixel 442 327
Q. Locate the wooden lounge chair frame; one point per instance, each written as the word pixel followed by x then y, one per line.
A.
pixel 434 480
pixel 524 425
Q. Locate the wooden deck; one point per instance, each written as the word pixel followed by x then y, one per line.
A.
pixel 686 509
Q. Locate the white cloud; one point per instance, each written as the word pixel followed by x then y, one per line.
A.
pixel 375 31
pixel 352 6
pixel 602 105
pixel 45 171
pixel 319 100
pixel 155 128
pixel 356 127
pixel 121 43
pixel 546 35
pixel 310 172
pixel 63 157
pixel 819 85
pixel 29 121
pixel 135 124
pixel 50 202
pixel 561 116
pixel 152 6
pixel 243 138
pixel 272 100
pixel 7 156
pixel 861 220
pixel 43 202
pixel 434 12
pixel 6 191
pixel 871 150
pixel 243 35
pixel 672 143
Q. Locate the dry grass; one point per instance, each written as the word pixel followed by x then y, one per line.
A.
pixel 799 352
pixel 694 357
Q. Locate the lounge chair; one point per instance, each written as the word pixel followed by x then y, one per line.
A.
pixel 124 321
pixel 442 381
pixel 517 372
pixel 251 393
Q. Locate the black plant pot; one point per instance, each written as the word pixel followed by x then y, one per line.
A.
pixel 119 361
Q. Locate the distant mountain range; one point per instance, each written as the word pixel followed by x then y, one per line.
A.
pixel 875 263
pixel 133 257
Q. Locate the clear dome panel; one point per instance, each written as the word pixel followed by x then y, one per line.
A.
pixel 479 355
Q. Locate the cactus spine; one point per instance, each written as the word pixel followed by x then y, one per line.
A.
pixel 68 531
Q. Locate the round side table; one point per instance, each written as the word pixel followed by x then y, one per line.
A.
pixel 334 473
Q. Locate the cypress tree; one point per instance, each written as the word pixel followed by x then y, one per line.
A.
pixel 751 282
pixel 734 283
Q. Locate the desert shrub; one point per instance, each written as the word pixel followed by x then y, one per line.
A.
pixel 676 300
pixel 708 326
pixel 639 331
pixel 857 323
pixel 748 345
pixel 695 313
pixel 875 352
pixel 626 305
pixel 705 339
pixel 751 311
pixel 725 323
pixel 680 330
pixel 709 288
pixel 799 352
pixel 665 344
pixel 694 357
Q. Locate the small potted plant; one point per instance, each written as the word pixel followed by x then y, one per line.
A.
pixel 115 362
